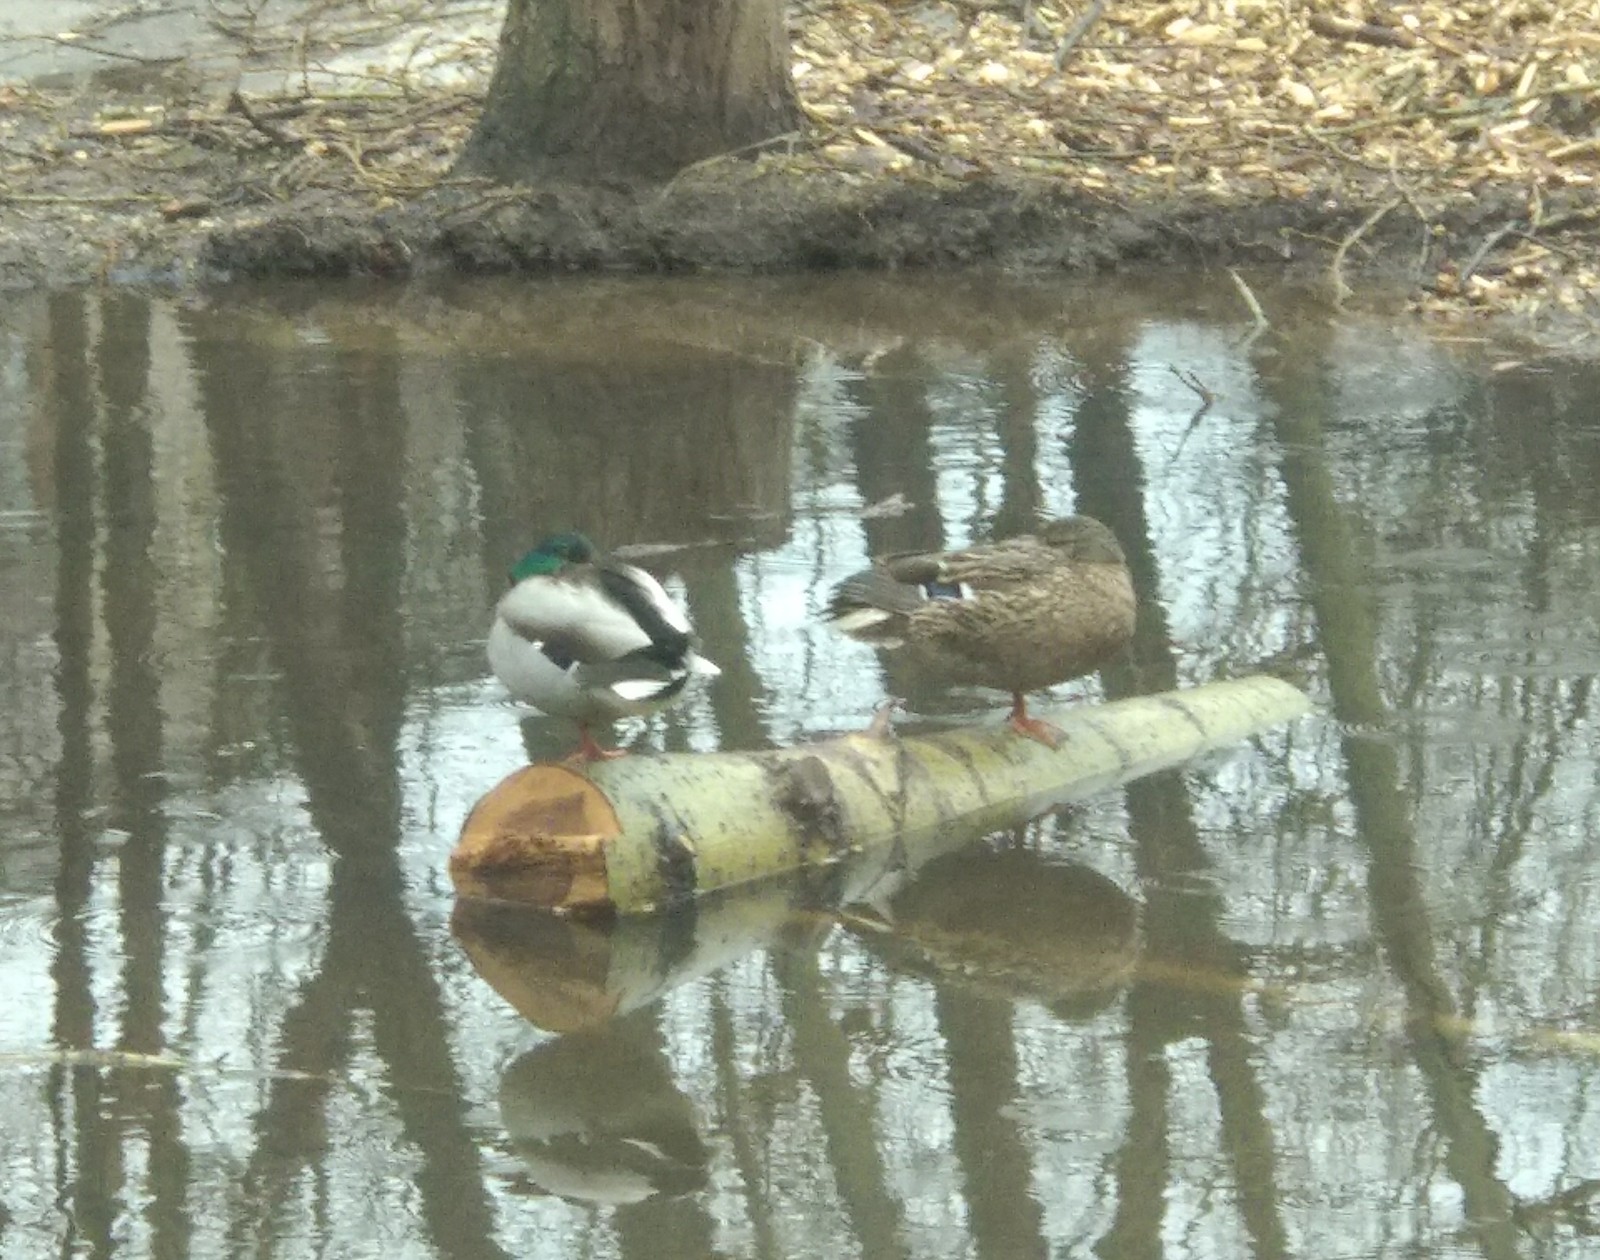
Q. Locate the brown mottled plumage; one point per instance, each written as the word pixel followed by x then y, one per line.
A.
pixel 1017 615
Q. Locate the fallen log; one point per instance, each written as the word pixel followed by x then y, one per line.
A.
pixel 644 833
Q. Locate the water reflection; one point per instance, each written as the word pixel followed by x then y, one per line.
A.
pixel 1325 995
pixel 598 1117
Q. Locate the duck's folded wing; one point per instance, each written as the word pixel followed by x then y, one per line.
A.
pixel 636 677
pixel 987 567
pixel 577 617
pixel 873 603
pixel 912 567
pixel 875 588
pixel 648 604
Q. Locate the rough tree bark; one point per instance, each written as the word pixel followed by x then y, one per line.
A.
pixel 631 89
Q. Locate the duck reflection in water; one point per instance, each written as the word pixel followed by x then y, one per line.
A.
pixel 597 1118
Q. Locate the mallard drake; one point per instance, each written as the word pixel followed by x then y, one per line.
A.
pixel 584 636
pixel 1017 615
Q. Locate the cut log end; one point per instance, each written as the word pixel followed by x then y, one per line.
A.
pixel 539 836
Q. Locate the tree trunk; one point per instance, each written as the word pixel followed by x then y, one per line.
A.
pixel 642 833
pixel 629 89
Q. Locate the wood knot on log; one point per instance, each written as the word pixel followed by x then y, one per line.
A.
pixel 803 790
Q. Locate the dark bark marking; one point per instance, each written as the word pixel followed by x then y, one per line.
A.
pixel 895 802
pixel 960 753
pixel 1178 706
pixel 803 790
pixel 676 859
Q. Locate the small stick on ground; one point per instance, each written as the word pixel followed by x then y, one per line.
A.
pixel 882 724
pixel 1070 40
pixel 1341 290
pixel 278 135
pixel 1486 245
pixel 1361 32
pixel 790 138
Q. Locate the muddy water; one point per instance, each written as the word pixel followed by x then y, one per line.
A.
pixel 1331 994
pixel 170 50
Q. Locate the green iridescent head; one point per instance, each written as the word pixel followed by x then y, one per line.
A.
pixel 552 555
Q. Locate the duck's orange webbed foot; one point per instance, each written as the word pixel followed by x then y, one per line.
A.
pixel 588 750
pixel 1034 728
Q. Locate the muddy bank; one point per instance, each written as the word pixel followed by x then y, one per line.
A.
pixel 352 188
pixel 769 218
pixel 130 190
pixel 215 204
pixel 940 135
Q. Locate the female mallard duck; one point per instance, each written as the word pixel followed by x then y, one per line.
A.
pixel 584 636
pixel 1016 615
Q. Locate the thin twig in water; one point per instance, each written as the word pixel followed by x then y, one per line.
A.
pixel 1080 28
pixel 1194 383
pixel 1262 323
pixel 1425 247
pixel 77 199
pixel 78 45
pixel 1341 290
pixel 1206 399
